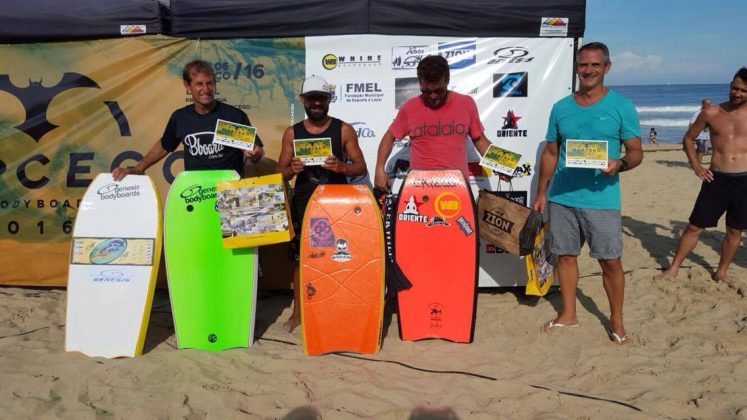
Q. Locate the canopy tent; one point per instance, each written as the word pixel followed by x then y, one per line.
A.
pixel 23 21
pixel 52 20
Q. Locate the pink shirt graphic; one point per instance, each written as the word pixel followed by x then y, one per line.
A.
pixel 438 138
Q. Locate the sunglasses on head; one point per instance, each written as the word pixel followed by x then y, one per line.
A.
pixel 438 91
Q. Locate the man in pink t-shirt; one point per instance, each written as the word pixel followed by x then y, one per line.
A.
pixel 438 122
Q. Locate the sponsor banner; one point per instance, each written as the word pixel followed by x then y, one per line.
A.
pixel 69 111
pixel 514 82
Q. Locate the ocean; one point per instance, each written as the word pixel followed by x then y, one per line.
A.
pixel 669 108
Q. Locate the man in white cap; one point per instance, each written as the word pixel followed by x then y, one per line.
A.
pixel 346 160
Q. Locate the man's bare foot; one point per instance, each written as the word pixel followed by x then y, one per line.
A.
pixel 726 279
pixel 292 323
pixel 668 274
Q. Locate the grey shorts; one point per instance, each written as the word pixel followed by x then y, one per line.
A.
pixel 571 227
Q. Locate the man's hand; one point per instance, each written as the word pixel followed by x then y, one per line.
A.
pixel 702 172
pixel 333 164
pixel 254 155
pixel 381 180
pixel 118 174
pixel 296 166
pixel 540 203
pixel 613 167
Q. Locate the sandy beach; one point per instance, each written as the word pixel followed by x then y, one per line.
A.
pixel 688 358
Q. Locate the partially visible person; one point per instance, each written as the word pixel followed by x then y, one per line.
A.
pixel 652 136
pixel 703 139
pixel 724 186
pixel 584 204
pixel 346 160
pixel 438 122
pixel 194 126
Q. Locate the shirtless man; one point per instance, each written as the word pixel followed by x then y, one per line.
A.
pixel 724 186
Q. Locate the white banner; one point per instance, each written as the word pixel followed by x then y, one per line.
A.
pixel 514 81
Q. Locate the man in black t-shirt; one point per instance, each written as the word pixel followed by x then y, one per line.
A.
pixel 194 126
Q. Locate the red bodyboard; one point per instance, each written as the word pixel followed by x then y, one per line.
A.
pixel 436 247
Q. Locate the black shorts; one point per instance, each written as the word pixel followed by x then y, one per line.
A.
pixel 726 193
pixel 297 210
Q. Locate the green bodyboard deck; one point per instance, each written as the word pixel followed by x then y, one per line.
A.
pixel 213 290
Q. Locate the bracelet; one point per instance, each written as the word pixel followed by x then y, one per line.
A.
pixel 623 165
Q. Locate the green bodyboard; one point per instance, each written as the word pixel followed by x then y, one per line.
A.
pixel 213 290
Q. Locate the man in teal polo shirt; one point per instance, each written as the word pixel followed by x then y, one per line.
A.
pixel 584 203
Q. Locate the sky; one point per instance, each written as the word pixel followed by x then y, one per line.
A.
pixel 670 41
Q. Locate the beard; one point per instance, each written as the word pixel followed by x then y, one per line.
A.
pixel 316 114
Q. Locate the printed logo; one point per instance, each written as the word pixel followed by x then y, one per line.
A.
pixel 438 221
pixel 310 291
pixel 132 29
pixel 510 85
pixel 212 338
pixel 510 55
pixel 361 92
pixel 523 170
pixel 411 213
pixel 439 129
pixel 342 253
pixel 492 249
pixel 362 130
pixel 554 26
pixel 437 181
pixel 201 144
pixel 435 314
pixel 448 205
pixel 459 54
pixel 108 251
pixel 464 225
pixel 114 191
pixel 319 254
pixel 332 61
pixel 111 276
pixel 36 97
pixel 333 92
pixel 510 126
pixel 496 219
pixel 198 193
pixel 320 233
pixel 407 57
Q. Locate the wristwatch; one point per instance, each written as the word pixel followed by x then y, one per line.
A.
pixel 623 165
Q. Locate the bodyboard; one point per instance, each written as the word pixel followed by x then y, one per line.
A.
pixel 212 289
pixel 342 271
pixel 437 250
pixel 114 258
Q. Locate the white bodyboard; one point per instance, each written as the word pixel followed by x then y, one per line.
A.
pixel 114 257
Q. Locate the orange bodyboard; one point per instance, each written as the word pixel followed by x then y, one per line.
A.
pixel 342 271
pixel 436 247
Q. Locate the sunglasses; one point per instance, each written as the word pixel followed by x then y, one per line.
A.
pixel 317 97
pixel 438 91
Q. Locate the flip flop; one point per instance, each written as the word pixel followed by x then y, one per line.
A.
pixel 548 326
pixel 617 339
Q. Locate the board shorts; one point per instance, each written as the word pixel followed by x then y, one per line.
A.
pixel 297 210
pixel 571 227
pixel 726 193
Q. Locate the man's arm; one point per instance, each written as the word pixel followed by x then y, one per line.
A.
pixel 633 157
pixel 481 144
pixel 548 162
pixel 254 155
pixel 688 145
pixel 381 179
pixel 288 165
pixel 155 154
pixel 357 165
